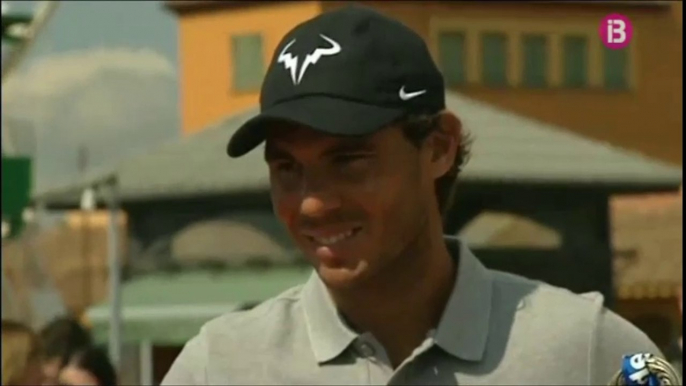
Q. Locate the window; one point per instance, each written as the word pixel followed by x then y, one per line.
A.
pixel 615 69
pixel 535 56
pixel 451 56
pixel 494 59
pixel 575 70
pixel 248 62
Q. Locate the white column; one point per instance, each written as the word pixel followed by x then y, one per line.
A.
pixel 146 363
pixel 114 275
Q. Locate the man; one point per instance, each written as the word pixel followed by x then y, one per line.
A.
pixel 360 147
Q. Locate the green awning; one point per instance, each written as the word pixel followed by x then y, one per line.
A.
pixel 170 308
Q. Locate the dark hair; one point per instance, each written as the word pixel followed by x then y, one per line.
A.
pixel 417 129
pixel 96 361
pixel 63 337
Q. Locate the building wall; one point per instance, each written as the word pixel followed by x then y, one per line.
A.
pixel 660 319
pixel 207 90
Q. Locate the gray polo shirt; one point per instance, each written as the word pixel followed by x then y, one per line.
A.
pixel 497 329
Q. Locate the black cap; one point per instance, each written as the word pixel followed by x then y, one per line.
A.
pixel 346 72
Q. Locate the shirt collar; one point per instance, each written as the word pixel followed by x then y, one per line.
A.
pixel 329 335
pixel 463 328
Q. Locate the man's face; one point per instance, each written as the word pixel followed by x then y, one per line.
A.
pixel 353 205
pixel 51 369
pixel 74 376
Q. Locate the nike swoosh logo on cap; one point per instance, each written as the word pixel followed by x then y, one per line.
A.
pixel 409 95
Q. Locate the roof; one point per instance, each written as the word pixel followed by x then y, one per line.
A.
pixel 171 308
pixel 507 149
pixel 19 137
pixel 625 3
pixel 648 240
pixel 187 6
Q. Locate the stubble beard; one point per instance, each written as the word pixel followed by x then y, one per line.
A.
pixel 401 265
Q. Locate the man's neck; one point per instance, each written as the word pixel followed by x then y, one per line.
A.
pixel 403 306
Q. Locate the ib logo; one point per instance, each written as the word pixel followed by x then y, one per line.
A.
pixel 639 372
pixel 616 31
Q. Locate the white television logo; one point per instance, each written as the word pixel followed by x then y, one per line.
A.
pixel 616 31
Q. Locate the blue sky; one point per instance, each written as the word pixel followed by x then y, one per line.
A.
pixel 102 76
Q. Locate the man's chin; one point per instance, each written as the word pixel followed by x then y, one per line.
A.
pixel 342 278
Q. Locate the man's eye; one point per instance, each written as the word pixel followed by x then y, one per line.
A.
pixel 285 166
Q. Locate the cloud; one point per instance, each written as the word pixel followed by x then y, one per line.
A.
pixel 59 73
pixel 116 102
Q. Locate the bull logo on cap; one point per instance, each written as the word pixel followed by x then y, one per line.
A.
pixel 290 62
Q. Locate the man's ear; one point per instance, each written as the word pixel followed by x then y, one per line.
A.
pixel 445 142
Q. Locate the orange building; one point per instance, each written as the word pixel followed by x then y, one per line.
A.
pixel 224 51
pixel 542 60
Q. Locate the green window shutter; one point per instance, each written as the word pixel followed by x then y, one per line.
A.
pixel 248 62
pixel 615 69
pixel 494 59
pixel 535 55
pixel 575 61
pixel 451 57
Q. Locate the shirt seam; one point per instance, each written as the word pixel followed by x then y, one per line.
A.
pixel 592 349
pixel 206 359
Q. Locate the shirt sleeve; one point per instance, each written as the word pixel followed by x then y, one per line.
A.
pixel 189 367
pixel 615 337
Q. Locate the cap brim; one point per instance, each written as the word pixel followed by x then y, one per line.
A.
pixel 326 114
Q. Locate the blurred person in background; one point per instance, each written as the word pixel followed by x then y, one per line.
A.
pixel 88 367
pixel 61 338
pixel 21 355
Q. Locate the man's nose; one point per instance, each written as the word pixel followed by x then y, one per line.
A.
pixel 318 198
pixel 318 205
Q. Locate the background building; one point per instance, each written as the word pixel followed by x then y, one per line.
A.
pixel 542 60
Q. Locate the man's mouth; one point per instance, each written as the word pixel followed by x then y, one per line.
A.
pixel 333 239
